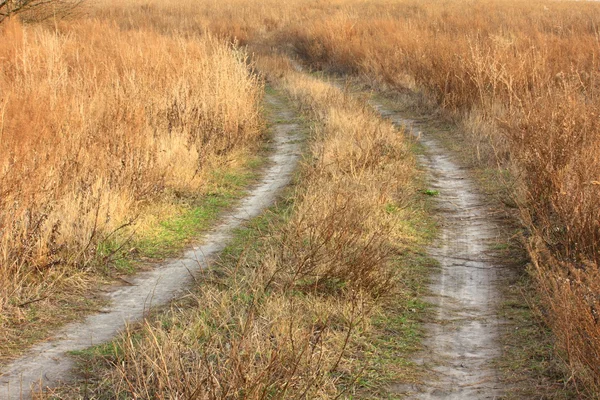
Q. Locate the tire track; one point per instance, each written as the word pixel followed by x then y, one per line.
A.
pixel 463 339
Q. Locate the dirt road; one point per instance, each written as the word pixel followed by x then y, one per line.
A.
pixel 462 341
pixel 48 363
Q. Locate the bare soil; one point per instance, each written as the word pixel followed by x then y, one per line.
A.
pixel 463 340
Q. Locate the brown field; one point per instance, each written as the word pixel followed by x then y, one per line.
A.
pixel 129 103
pixel 523 78
pixel 99 126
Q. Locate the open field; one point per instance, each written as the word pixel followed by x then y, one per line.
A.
pixel 522 78
pixel 124 117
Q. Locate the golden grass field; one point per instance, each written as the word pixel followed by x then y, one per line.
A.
pixel 110 116
pixel 93 145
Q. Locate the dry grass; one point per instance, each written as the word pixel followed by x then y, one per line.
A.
pixel 522 75
pixel 96 124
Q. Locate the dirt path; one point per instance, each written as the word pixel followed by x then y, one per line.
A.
pixel 464 337
pixel 48 363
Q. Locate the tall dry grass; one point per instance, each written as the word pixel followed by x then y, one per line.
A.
pixel 527 73
pixel 95 124
pixel 528 68
pixel 522 76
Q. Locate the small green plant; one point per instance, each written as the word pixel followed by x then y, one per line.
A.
pixel 431 192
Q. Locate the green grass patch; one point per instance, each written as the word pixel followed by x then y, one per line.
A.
pixel 189 217
pixel 431 192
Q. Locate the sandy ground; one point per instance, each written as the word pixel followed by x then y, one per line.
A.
pixel 463 339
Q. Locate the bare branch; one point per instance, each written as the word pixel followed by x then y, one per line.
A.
pixel 37 9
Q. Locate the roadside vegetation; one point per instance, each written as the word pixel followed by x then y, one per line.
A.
pixel 316 299
pixel 521 76
pixel 105 136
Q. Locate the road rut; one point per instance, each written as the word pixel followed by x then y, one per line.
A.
pixel 463 340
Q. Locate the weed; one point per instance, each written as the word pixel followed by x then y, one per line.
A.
pixel 303 289
pixel 431 192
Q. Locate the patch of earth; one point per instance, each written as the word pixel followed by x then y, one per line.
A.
pixel 463 340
